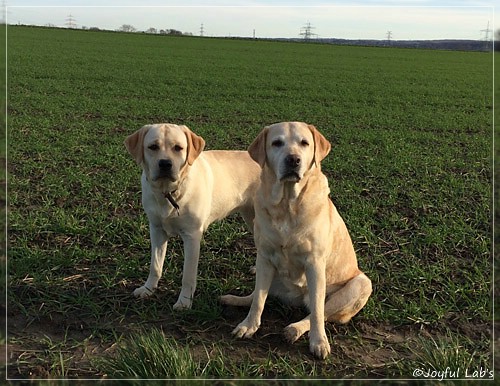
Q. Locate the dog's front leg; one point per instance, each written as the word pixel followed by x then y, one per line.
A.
pixel 316 283
pixel 263 280
pixel 158 249
pixel 191 242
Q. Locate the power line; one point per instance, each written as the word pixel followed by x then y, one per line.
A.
pixel 306 31
pixel 487 36
pixel 389 36
pixel 487 32
pixel 70 21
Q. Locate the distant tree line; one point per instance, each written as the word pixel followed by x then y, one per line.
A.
pixel 152 30
pixel 475 45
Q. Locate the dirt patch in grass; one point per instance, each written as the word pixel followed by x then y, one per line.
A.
pixel 67 345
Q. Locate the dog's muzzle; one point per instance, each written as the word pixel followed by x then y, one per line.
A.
pixel 291 165
pixel 164 168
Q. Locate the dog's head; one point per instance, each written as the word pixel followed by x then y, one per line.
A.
pixel 163 150
pixel 290 149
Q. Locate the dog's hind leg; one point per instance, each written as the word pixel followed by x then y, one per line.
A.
pixel 340 306
pixel 346 302
pixel 295 330
pixel 232 300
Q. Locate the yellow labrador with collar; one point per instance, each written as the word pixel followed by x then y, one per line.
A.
pixel 305 255
pixel 184 190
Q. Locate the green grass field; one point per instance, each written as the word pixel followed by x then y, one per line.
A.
pixel 410 172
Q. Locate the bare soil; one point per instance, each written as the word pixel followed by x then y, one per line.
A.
pixel 360 349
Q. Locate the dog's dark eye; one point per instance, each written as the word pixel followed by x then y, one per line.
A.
pixel 153 147
pixel 277 143
pixel 304 143
pixel 177 148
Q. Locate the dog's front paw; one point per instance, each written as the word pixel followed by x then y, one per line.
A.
pixel 319 348
pixel 245 329
pixel 143 292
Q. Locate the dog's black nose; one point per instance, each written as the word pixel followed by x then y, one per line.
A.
pixel 292 160
pixel 165 164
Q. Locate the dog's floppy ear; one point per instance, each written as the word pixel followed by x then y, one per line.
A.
pixel 321 145
pixel 257 149
pixel 134 144
pixel 196 144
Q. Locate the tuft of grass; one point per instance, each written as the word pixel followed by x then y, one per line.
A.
pixel 150 355
pixel 153 355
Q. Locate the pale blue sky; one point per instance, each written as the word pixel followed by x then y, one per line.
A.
pixel 362 19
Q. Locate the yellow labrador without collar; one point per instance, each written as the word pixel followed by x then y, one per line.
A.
pixel 305 255
pixel 184 190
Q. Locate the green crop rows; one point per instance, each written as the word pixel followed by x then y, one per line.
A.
pixel 410 171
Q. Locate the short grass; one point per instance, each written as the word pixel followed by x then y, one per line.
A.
pixel 410 171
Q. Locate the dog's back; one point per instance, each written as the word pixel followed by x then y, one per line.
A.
pixel 236 179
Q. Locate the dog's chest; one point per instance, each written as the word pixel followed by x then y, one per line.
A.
pixel 282 229
pixel 287 246
pixel 161 212
pixel 286 230
pixel 290 266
